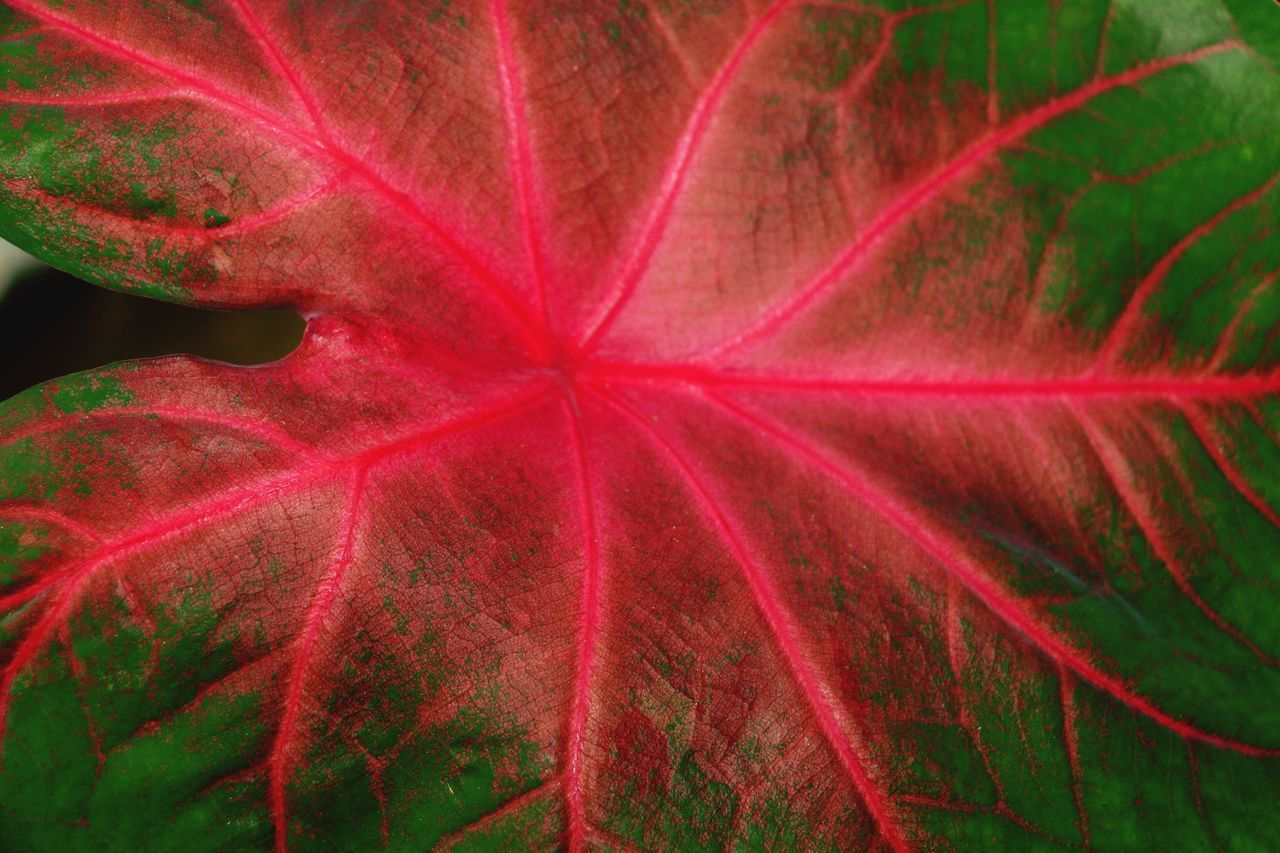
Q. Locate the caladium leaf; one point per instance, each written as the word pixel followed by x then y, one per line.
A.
pixel 768 425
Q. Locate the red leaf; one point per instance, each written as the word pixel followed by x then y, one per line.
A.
pixel 772 426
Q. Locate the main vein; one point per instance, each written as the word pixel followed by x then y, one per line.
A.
pixel 520 155
pixel 588 632
pixel 970 388
pixel 322 604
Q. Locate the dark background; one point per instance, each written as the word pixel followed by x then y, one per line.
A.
pixel 52 324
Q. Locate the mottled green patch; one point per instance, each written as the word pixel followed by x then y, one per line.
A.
pixel 170 262
pixel 213 218
pixel 1155 635
pixel 112 720
pixel 142 666
pixel 392 696
pixel 20 546
pixel 1014 720
pixel 695 813
pixel 775 825
pixel 62 170
pixel 837 42
pixel 120 166
pixel 147 203
pixel 22 65
pixel 443 13
pixel 1132 769
pixel 89 392
pixel 48 756
pixel 26 471
pixel 13 24
pixel 933 42
pixel 534 826
pixel 440 780
pixel 813 149
pixel 60 238
pixel 25 62
pixel 624 31
pixel 433 778
pixel 37 469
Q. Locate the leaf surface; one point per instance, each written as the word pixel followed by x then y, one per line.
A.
pixel 768 425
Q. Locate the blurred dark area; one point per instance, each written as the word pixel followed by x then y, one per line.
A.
pixel 52 324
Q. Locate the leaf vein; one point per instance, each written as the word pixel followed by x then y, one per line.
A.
pixel 781 630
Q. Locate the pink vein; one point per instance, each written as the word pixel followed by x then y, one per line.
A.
pixel 588 635
pixel 989 593
pixel 1206 436
pixel 508 407
pixel 519 151
pixel 508 808
pixel 80 676
pixel 267 433
pixel 317 144
pixel 766 598
pixel 1072 741
pixel 157 530
pixel 102 100
pixel 931 187
pixel 49 516
pixel 1114 467
pixel 268 45
pixel 1233 328
pixel 283 208
pixel 249 224
pixel 282 66
pixel 953 634
pixel 197 85
pixel 1193 764
pixel 74 579
pixel 313 624
pixel 220 506
pixel 961 387
pixel 1124 326
pixel 641 254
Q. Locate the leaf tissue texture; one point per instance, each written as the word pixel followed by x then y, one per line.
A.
pixel 721 424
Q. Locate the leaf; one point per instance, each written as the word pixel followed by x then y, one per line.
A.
pixel 805 425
